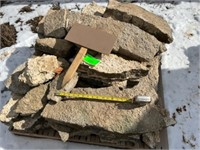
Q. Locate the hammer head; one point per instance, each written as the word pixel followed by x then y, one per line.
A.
pixel 91 38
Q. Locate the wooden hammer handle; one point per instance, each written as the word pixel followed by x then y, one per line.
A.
pixel 74 66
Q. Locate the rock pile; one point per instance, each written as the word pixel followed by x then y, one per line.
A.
pixel 132 69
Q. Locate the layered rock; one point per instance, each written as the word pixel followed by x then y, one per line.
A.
pixel 140 17
pixel 113 68
pixel 39 70
pixel 57 47
pixel 131 40
pixel 93 9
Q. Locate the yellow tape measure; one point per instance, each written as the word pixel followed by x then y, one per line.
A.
pixel 94 97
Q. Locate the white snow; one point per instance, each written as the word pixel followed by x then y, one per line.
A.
pixel 180 71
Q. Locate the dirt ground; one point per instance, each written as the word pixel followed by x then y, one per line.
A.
pixel 8 35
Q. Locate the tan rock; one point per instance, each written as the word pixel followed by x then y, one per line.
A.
pixel 131 40
pixel 39 70
pixel 114 117
pixel 54 24
pixel 7 113
pixel 113 68
pixel 57 47
pixel 140 17
pixel 93 9
pixel 33 101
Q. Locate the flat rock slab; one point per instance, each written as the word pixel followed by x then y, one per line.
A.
pixel 144 86
pixel 33 101
pixel 131 40
pixel 113 68
pixel 140 17
pixel 57 47
pixel 39 70
pixel 113 117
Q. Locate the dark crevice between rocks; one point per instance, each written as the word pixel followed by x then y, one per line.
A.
pixel 89 83
pixel 8 35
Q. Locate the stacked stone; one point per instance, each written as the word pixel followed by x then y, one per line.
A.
pixel 132 69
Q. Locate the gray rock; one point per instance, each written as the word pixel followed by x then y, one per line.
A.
pixel 7 113
pixel 113 68
pixel 113 117
pixel 39 70
pixel 93 9
pixel 14 84
pixel 57 47
pixel 140 17
pixel 151 139
pixel 54 24
pixel 33 101
pixel 131 40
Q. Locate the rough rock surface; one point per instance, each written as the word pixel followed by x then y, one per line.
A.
pixel 143 86
pixel 54 24
pixel 33 101
pixel 14 84
pixel 140 17
pixel 57 47
pixel 108 116
pixel 113 68
pixel 7 113
pixel 39 70
pixel 93 9
pixel 131 40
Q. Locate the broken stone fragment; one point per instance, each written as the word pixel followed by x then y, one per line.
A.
pixel 131 40
pixel 57 47
pixel 62 131
pixel 26 122
pixel 121 118
pixel 113 68
pixel 140 17
pixel 14 84
pixel 93 9
pixel 151 139
pixel 54 24
pixel 7 113
pixel 39 70
pixel 33 101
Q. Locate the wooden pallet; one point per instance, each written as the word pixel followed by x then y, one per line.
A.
pixel 91 139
